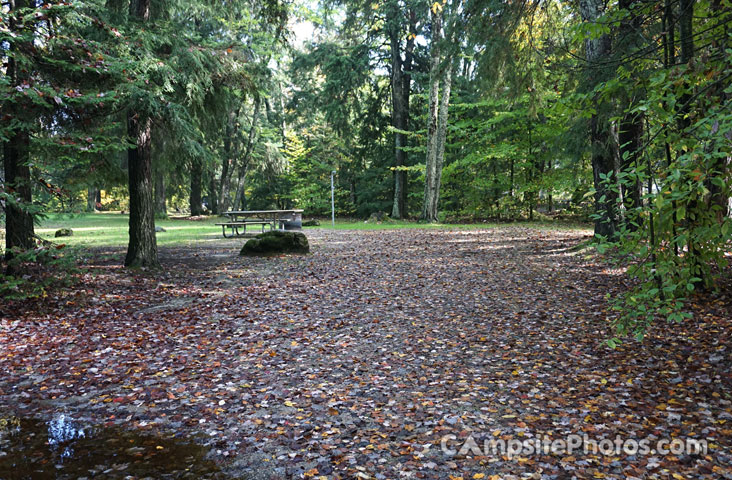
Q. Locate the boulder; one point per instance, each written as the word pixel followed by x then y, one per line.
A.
pixel 64 232
pixel 311 223
pixel 274 242
pixel 378 217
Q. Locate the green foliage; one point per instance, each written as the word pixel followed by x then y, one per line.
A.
pixel 675 243
pixel 32 273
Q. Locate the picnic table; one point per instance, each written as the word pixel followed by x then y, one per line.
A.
pixel 238 220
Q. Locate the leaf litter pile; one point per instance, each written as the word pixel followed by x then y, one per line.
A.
pixel 367 357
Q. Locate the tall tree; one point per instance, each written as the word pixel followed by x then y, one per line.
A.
pixel 161 205
pixel 441 66
pixel 142 250
pixel 401 85
pixel 196 186
pixel 597 53
pixel 16 149
pixel 229 156
pixel 630 127
pixel 243 163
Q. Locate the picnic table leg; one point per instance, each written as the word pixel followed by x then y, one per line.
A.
pixel 223 231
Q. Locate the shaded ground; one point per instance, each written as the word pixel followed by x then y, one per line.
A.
pixel 62 449
pixel 359 360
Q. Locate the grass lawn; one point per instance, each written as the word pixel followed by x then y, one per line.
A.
pixel 110 229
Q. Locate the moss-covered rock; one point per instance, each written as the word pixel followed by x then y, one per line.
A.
pixel 64 232
pixel 379 217
pixel 274 242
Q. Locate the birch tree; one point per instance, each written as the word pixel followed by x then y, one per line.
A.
pixel 441 60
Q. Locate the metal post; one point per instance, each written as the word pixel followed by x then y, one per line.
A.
pixel 332 197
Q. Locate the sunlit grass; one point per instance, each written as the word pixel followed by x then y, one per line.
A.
pixel 111 229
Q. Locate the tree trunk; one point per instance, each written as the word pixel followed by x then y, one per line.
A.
pixel 161 208
pixel 195 198
pixel 441 133
pixel 630 130
pixel 16 155
pixel 213 195
pixel 228 161
pixel 429 206
pixel 240 198
pixel 91 199
pixel 686 40
pixel 18 222
pixel 669 58
pixel 529 195
pixel 597 51
pixel 140 9
pixel 630 139
pixel 686 34
pixel 722 167
pixel 283 118
pixel 142 250
pixel 512 173
pixel 400 93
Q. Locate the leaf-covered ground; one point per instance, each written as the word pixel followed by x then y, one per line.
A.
pixel 357 360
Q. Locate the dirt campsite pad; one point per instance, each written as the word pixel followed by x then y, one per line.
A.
pixel 382 354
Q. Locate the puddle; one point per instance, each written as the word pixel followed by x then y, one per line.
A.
pixel 64 449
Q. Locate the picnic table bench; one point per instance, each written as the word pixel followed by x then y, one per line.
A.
pixel 276 219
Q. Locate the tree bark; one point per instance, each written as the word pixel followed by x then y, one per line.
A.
pixel 429 205
pixel 228 161
pixel 439 101
pixel 441 133
pixel 18 222
pixel 686 34
pixel 142 250
pixel 686 40
pixel 596 51
pixel 400 93
pixel 213 194
pixel 91 199
pixel 630 138
pixel 630 130
pixel 161 208
pixel 140 9
pixel 196 180
pixel 239 198
pixel 16 155
pixel 283 118
pixel 722 167
pixel 668 22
